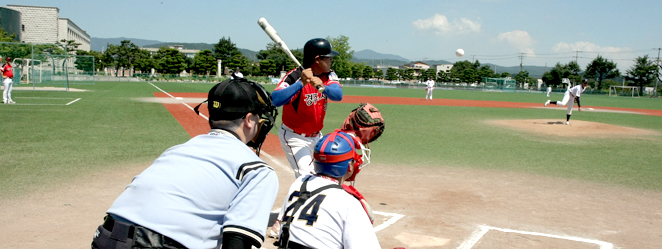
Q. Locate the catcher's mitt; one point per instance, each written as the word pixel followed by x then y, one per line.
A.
pixel 366 122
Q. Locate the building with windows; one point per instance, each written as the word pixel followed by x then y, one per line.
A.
pixel 190 53
pixel 43 25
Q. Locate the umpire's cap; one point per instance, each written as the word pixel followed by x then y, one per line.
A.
pixel 232 99
pixel 315 47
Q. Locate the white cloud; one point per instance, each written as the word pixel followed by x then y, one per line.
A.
pixel 562 47
pixel 439 24
pixel 521 40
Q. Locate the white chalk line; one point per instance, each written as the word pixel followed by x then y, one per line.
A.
pixel 74 101
pixel 483 229
pixel 391 221
pixel 185 104
pixel 45 98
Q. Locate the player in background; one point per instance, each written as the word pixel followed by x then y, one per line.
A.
pixel 304 108
pixel 236 74
pixel 209 192
pixel 321 212
pixel 7 76
pixel 429 86
pixel 572 93
pixel 549 90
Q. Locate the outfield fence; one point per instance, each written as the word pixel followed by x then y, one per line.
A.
pixel 47 66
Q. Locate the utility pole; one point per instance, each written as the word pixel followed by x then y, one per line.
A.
pixel 658 70
pixel 521 57
pixel 577 56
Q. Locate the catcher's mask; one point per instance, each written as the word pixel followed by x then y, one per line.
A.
pixel 234 98
pixel 336 152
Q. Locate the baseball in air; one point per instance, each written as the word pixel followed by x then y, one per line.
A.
pixel 459 52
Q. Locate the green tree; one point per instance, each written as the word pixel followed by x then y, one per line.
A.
pixel 268 68
pixel 144 61
pixel 485 72
pixel 643 72
pixel 426 74
pixel 92 63
pixel 169 61
pixel 522 77
pixel 444 76
pixel 368 72
pixel 407 74
pixel 575 72
pixel 69 45
pixel 121 56
pixel 342 64
pixel 278 60
pixel 5 37
pixel 228 53
pixel 504 75
pixel 204 62
pixel 465 71
pixel 392 74
pixel 555 76
pixel 601 69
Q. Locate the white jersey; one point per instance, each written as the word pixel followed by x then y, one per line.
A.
pixel 430 84
pixel 577 90
pixel 331 219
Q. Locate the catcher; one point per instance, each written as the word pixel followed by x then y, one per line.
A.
pixel 363 125
pixel 321 212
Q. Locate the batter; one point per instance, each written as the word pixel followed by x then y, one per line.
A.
pixel 304 107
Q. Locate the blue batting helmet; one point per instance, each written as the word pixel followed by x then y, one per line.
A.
pixel 333 153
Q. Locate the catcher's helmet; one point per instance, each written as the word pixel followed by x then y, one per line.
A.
pixel 333 154
pixel 315 47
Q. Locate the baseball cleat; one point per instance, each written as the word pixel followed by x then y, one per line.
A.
pixel 547 103
pixel 567 122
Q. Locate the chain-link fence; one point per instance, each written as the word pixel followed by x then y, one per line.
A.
pixel 47 66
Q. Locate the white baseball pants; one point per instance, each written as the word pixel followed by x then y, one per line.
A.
pixel 428 93
pixel 569 100
pixel 6 93
pixel 298 150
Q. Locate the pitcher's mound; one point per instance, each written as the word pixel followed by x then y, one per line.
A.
pixel 576 128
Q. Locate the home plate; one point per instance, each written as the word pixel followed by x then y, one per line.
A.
pixel 416 240
pixel 179 98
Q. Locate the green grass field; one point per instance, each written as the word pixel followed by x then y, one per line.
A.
pixel 48 142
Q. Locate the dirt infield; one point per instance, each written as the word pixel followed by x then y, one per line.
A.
pixel 576 128
pixel 442 208
pixel 416 206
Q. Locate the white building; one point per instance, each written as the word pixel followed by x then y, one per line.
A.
pixel 190 53
pixel 68 30
pixel 44 25
pixel 443 67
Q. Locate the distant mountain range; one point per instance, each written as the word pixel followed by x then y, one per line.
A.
pixel 367 56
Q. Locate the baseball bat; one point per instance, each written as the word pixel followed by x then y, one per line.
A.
pixel 271 32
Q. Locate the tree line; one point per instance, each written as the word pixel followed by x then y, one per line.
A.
pixel 271 61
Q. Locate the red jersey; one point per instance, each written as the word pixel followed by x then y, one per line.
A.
pixel 305 111
pixel 7 71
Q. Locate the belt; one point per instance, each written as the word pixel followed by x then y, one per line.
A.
pixel 109 223
pixel 294 245
pixel 142 236
pixel 300 134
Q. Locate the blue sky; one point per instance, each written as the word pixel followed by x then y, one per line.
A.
pixel 491 31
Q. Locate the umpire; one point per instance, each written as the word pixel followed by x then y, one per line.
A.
pixel 210 191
